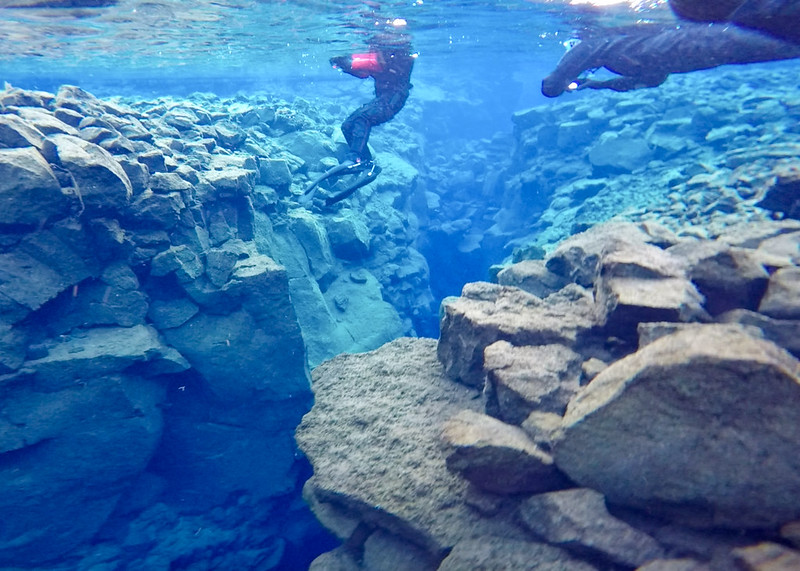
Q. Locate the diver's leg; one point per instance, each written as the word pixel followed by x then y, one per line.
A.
pixel 356 129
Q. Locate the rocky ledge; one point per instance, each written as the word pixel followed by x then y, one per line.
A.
pixel 631 401
pixel 152 364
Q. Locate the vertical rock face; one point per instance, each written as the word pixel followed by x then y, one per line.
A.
pixel 152 368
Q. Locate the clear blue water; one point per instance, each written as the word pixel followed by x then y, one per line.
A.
pixel 177 46
pixel 487 57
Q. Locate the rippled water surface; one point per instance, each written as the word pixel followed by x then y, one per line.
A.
pixel 251 37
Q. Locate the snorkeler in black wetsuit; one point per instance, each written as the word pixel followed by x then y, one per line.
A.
pixel 779 18
pixel 645 55
pixel 389 63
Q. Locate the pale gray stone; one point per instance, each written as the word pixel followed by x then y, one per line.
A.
pixel 680 424
pixel 782 299
pixel 99 178
pixel 523 379
pixel 486 313
pixel 499 553
pixel 498 457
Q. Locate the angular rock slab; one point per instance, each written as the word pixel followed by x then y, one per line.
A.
pixel 486 313
pixel 782 300
pixel 729 278
pixel 510 555
pixel 498 457
pixel 104 351
pixel 29 191
pixel 577 519
pixel 640 282
pixel 700 424
pixel 523 379
pixel 100 179
pixel 374 440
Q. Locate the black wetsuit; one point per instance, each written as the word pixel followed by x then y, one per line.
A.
pixel 644 55
pixel 391 71
pixel 779 18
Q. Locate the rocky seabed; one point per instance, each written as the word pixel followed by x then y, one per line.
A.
pixel 624 397
pixel 631 401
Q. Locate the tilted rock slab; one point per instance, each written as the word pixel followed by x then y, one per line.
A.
pixel 577 519
pixel 640 282
pixel 510 555
pixel 486 313
pixel 29 191
pixel 374 440
pixel 498 457
pixel 700 424
pixel 99 178
pixel 523 379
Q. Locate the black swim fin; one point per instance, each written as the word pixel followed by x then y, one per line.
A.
pixel 363 180
pixel 339 170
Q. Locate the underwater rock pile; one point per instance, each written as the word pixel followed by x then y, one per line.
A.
pixel 151 362
pixel 631 401
pixel 696 153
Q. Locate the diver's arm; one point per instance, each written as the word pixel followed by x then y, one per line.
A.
pixel 623 83
pixel 358 65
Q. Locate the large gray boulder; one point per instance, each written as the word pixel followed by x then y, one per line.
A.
pixel 510 555
pixel 531 276
pixel 576 258
pixel 29 191
pixel 728 278
pixel 523 379
pixel 639 282
pixel 99 178
pixel 498 457
pixel 14 132
pixel 782 299
pixel 374 440
pixel 700 424
pixel 41 266
pixel 314 238
pixel 349 236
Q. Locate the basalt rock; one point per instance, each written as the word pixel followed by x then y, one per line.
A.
pixel 486 313
pixel 99 179
pixel 498 457
pixel 29 191
pixel 578 520
pixel 374 441
pixel 627 433
pixel 523 379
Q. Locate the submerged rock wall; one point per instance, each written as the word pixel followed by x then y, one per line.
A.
pixel 152 366
pixel 695 152
pixel 626 395
pixel 631 401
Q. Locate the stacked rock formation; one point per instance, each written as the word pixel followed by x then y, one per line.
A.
pixel 693 153
pixel 631 401
pixel 151 362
